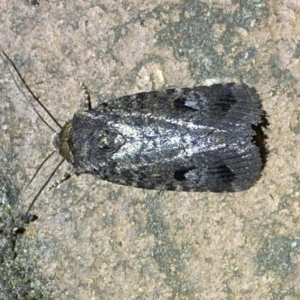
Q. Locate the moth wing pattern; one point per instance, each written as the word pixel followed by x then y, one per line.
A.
pixel 190 139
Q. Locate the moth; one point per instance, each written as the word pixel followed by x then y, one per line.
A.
pixel 189 139
pixel 182 139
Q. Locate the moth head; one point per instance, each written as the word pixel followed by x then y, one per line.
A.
pixel 60 142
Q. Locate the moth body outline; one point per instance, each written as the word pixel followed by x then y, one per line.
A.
pixel 190 139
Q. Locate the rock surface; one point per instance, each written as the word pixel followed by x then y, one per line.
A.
pixel 96 240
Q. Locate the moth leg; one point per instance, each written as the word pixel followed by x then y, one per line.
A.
pixel 66 176
pixel 26 218
pixel 86 104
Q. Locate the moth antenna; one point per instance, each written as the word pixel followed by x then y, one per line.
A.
pixel 42 188
pixel 38 169
pixel 31 93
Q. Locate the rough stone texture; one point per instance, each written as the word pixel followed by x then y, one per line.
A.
pixel 96 240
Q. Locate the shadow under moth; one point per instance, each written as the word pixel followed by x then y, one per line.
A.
pixel 185 139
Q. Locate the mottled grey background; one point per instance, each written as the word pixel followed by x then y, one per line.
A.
pixel 96 240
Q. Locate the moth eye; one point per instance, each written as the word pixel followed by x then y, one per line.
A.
pixel 56 140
